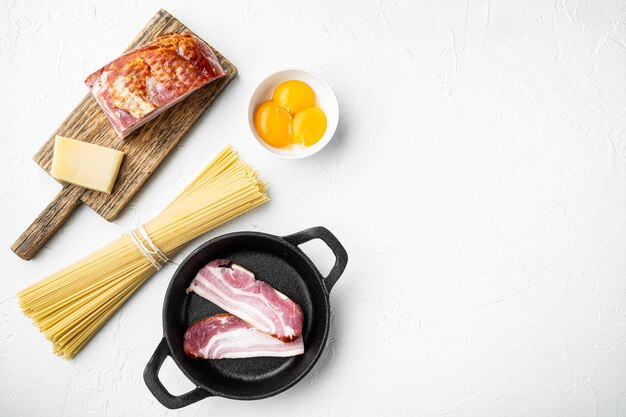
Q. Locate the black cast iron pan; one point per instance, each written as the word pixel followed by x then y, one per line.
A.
pixel 279 262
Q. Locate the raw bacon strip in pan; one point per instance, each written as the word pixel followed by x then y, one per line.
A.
pixel 226 336
pixel 144 82
pixel 235 289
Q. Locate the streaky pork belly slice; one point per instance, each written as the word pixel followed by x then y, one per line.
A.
pixel 225 336
pixel 235 289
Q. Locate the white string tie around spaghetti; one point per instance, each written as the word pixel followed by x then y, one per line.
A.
pixel 148 249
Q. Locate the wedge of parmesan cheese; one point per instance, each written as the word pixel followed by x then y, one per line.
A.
pixel 85 164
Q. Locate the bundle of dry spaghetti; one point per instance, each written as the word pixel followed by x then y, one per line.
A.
pixel 71 305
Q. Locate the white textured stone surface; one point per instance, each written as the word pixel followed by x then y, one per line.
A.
pixel 477 179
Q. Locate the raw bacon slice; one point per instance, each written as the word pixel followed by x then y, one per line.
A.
pixel 144 82
pixel 226 336
pixel 234 288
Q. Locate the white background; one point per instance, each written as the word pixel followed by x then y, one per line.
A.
pixel 477 180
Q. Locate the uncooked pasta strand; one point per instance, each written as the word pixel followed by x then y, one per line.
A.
pixel 71 305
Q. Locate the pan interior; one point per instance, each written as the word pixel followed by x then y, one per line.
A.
pixel 271 262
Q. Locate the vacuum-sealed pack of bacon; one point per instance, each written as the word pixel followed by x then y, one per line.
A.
pixel 144 82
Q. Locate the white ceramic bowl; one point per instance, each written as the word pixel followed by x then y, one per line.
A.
pixel 325 100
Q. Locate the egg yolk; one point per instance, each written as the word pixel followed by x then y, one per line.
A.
pixel 294 95
pixel 309 126
pixel 273 123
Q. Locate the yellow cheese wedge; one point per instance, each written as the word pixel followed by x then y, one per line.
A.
pixel 85 164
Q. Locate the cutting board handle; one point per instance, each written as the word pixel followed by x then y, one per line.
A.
pixel 48 222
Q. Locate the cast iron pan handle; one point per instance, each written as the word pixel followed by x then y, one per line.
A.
pixel 151 377
pixel 319 232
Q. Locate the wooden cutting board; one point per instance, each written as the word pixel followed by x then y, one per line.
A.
pixel 144 149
